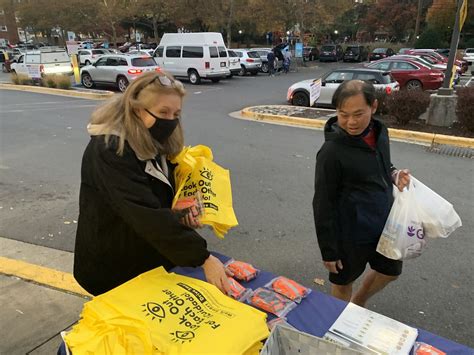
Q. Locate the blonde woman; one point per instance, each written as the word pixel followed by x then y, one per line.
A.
pixel 126 225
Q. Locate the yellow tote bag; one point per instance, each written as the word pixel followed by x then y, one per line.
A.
pixel 164 313
pixel 196 172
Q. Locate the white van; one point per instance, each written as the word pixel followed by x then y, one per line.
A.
pixel 193 55
pixel 43 62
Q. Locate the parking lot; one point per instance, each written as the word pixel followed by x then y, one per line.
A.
pixel 272 171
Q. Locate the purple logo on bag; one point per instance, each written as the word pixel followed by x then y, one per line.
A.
pixel 412 231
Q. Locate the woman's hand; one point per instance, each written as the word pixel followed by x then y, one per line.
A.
pixel 188 211
pixel 216 274
pixel 403 178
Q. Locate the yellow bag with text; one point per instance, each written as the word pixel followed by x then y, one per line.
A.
pixel 196 172
pixel 165 313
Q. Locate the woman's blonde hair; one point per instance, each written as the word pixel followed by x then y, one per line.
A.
pixel 119 116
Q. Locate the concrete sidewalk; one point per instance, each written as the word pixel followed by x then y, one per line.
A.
pixel 32 315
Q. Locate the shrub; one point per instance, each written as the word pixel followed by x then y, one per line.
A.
pixel 407 105
pixel 21 79
pixel 63 82
pixel 381 97
pixel 464 108
pixel 56 81
pixel 49 81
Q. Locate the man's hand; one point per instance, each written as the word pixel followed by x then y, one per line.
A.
pixel 333 266
pixel 216 274
pixel 403 178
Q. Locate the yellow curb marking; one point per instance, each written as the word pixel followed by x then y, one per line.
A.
pixel 399 134
pixel 41 275
pixel 58 92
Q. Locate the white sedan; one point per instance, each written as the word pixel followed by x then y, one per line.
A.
pixel 299 93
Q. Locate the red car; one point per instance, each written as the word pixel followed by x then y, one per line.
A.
pixel 410 74
pixel 440 58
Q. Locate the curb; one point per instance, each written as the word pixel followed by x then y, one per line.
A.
pixel 60 92
pixel 41 275
pixel 399 134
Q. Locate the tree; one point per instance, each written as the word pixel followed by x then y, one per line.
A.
pixel 441 16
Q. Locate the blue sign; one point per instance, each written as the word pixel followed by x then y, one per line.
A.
pixel 299 50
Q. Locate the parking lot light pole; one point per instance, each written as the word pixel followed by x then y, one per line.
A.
pixel 447 84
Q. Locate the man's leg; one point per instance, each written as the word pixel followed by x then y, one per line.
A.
pixel 373 282
pixel 343 292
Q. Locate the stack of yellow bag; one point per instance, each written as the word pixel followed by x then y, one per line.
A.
pixel 197 173
pixel 165 313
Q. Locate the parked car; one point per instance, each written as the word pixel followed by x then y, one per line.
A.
pixel 433 56
pixel 89 56
pixel 50 62
pixel 117 69
pixel 443 51
pixel 310 53
pixel 250 61
pixel 331 52
pixel 410 74
pixel 468 56
pixel 356 53
pixel 404 50
pixel 234 63
pixel 380 53
pixel 6 58
pixel 262 52
pixel 299 93
pixel 193 55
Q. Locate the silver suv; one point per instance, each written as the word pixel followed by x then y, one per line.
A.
pixel 250 61
pixel 117 69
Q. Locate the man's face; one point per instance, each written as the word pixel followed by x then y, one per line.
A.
pixel 354 115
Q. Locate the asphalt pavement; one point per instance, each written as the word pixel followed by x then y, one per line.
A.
pixel 272 170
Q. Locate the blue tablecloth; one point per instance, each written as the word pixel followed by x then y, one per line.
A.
pixel 317 313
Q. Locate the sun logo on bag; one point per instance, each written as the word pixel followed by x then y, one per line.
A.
pixel 155 310
pixel 411 231
pixel 206 174
pixel 179 336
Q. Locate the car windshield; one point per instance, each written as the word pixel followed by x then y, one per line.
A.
pixel 352 49
pixel 380 50
pixel 143 62
pixel 327 48
pixel 253 54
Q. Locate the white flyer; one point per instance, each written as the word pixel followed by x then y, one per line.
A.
pixel 374 331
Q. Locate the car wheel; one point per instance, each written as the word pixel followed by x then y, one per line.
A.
pixel 87 81
pixel 215 80
pixel 265 67
pixel 300 99
pixel 243 71
pixel 194 77
pixel 414 85
pixel 122 83
pixel 88 62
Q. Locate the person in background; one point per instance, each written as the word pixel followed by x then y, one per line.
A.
pixel 353 194
pixel 126 225
pixel 271 63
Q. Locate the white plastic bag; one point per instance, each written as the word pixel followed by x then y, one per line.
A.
pixel 403 236
pixel 438 215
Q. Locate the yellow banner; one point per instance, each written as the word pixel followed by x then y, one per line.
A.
pixel 463 14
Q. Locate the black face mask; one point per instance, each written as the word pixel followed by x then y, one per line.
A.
pixel 162 129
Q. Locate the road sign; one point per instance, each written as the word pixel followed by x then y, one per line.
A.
pixel 315 91
pixel 299 50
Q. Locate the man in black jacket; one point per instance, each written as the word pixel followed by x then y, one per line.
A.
pixel 353 194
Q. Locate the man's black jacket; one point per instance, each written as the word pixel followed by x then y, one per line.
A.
pixel 125 224
pixel 353 189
